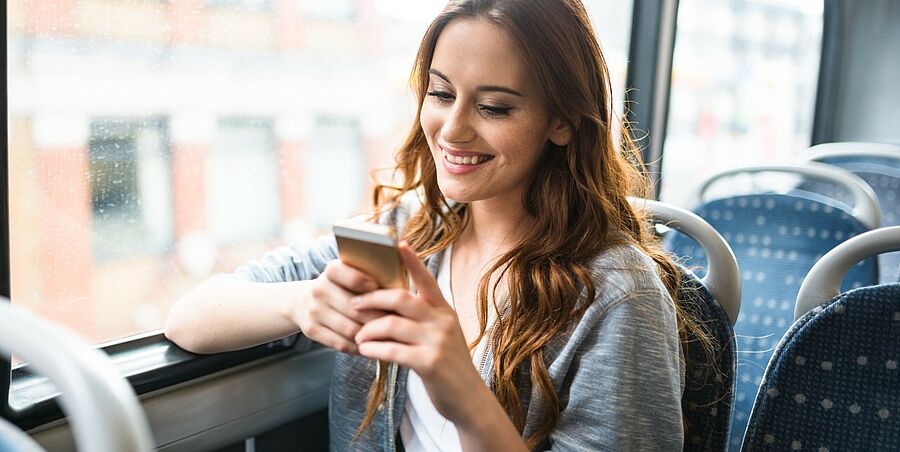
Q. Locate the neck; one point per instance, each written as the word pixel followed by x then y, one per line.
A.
pixel 493 226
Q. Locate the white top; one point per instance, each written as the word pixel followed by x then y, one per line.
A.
pixel 422 428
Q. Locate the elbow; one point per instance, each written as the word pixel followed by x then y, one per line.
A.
pixel 179 332
pixel 184 340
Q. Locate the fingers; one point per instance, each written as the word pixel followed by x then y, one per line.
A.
pixel 404 355
pixel 395 300
pixel 339 299
pixel 349 278
pixel 331 339
pixel 421 277
pixel 390 328
pixel 339 324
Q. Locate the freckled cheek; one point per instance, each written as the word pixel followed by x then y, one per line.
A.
pixel 522 142
pixel 430 123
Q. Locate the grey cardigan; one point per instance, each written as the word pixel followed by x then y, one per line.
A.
pixel 618 371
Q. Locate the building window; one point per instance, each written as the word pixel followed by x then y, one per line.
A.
pixel 131 198
pixel 242 182
pixel 743 88
pixel 337 10
pixel 337 174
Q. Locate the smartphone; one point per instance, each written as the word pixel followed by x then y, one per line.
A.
pixel 372 249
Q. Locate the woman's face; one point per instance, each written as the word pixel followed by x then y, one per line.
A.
pixel 484 115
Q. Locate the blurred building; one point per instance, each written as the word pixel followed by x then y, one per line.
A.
pixel 156 142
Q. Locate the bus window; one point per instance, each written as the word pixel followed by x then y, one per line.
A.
pixel 155 143
pixel 743 88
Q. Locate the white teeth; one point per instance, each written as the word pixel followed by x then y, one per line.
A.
pixel 469 160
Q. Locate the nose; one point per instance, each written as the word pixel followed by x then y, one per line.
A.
pixel 457 127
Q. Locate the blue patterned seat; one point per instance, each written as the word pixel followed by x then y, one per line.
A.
pixel 885 181
pixel 833 383
pixel 715 301
pixel 709 392
pixel 776 239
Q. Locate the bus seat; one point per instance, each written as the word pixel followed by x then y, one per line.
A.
pixel 878 165
pixel 833 382
pixel 776 237
pixel 841 152
pixel 100 404
pixel 709 392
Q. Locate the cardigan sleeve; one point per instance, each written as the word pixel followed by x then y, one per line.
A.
pixel 296 262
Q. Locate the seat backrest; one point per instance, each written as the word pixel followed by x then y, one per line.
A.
pixel 101 407
pixel 709 392
pixel 863 202
pixel 776 239
pixel 833 382
pixel 860 152
pixel 709 387
pixel 885 182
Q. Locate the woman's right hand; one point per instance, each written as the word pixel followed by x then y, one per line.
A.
pixel 326 315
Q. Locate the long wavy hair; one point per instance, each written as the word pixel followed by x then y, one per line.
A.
pixel 585 184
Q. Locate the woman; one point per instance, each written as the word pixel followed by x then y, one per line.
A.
pixel 543 316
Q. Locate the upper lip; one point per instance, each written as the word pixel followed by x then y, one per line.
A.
pixel 460 153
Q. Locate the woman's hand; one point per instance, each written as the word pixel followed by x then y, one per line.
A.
pixel 325 313
pixel 422 332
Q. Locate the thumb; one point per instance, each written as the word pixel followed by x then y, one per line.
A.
pixel 421 277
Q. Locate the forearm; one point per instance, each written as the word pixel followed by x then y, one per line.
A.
pixel 225 313
pixel 488 427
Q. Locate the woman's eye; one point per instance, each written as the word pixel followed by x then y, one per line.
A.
pixel 495 112
pixel 440 96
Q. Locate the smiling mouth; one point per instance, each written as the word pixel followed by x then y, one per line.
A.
pixel 466 160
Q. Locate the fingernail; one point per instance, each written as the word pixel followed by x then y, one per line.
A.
pixel 356 300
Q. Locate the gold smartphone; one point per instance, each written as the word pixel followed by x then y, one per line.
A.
pixel 372 248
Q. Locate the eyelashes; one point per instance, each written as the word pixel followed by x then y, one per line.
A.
pixel 441 96
pixel 492 111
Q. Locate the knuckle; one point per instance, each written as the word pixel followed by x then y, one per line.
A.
pixel 332 268
pixel 318 291
pixel 392 323
pixel 315 311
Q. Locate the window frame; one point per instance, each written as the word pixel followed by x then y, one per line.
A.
pixel 649 80
pixel 165 366
pixel 171 365
pixel 4 218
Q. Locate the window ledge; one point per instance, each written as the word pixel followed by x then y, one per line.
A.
pixel 149 362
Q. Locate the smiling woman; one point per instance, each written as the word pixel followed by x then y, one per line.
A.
pixel 541 283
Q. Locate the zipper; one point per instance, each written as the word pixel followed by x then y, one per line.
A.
pixel 390 402
pixel 484 355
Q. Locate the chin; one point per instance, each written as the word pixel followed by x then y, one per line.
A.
pixel 455 193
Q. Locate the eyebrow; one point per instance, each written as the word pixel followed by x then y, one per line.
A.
pixel 499 88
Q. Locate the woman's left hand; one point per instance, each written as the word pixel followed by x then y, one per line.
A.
pixel 422 332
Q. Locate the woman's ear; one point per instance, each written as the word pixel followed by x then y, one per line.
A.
pixel 560 132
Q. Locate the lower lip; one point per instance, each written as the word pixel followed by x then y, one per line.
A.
pixel 457 169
